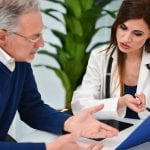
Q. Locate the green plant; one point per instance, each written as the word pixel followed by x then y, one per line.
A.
pixel 72 56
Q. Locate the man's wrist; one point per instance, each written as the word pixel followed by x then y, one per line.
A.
pixel 68 124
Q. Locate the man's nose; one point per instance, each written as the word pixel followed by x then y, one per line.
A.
pixel 40 42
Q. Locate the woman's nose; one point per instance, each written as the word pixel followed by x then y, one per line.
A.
pixel 127 37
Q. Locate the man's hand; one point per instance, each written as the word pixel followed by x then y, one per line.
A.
pixel 85 125
pixel 69 142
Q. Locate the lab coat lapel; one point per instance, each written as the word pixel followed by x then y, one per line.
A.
pixel 114 83
pixel 144 74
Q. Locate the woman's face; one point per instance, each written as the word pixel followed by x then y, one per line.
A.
pixel 132 35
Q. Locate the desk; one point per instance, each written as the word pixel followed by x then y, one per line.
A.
pixel 39 136
pixel 109 143
pixel 112 143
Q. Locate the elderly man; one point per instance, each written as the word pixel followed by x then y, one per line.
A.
pixel 20 37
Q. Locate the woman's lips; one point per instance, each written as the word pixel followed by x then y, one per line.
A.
pixel 123 45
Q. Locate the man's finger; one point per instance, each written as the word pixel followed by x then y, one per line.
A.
pixel 88 144
pixel 109 128
pixel 95 147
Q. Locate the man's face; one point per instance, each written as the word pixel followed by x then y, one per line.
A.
pixel 23 45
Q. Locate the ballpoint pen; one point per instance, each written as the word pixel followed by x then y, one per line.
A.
pixel 148 109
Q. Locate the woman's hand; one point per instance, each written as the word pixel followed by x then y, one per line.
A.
pixel 136 103
pixel 141 100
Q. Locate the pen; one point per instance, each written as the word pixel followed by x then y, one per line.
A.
pixel 148 109
pixel 142 104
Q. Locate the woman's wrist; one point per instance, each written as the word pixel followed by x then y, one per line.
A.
pixel 121 102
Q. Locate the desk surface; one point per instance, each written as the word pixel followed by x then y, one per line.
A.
pixel 112 143
pixel 109 143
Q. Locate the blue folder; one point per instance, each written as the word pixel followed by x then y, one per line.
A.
pixel 139 136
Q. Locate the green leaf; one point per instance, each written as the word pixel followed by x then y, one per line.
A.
pixel 101 3
pixel 49 11
pixel 44 52
pixel 73 25
pixel 88 19
pixel 59 35
pixel 73 7
pixel 86 4
pixel 111 13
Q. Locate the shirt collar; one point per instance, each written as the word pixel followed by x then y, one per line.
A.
pixel 7 60
pixel 146 57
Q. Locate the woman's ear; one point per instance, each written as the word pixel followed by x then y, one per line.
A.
pixel 2 38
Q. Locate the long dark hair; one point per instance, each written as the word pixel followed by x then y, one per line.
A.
pixel 129 9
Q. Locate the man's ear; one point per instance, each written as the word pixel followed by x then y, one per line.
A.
pixel 2 38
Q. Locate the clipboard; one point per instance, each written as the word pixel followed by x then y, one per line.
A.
pixel 139 136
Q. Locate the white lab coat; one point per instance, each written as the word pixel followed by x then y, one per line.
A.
pixel 92 90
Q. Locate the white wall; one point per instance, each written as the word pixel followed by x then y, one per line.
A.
pixel 49 85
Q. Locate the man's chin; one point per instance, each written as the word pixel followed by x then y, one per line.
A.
pixel 31 58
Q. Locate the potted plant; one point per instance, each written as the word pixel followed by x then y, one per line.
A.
pixel 72 56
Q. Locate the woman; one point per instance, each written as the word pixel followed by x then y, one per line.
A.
pixel 119 75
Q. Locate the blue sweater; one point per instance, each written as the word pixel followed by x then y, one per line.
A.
pixel 18 91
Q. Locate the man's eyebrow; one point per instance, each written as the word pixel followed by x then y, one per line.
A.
pixel 36 34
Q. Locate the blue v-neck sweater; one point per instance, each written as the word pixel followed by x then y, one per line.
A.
pixel 18 91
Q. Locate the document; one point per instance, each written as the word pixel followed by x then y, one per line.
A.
pixel 139 136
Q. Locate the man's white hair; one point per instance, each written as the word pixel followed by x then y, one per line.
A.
pixel 11 10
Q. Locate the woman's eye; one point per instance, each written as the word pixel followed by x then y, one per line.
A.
pixel 123 27
pixel 138 33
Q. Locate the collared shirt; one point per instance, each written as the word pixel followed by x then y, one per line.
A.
pixel 7 60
